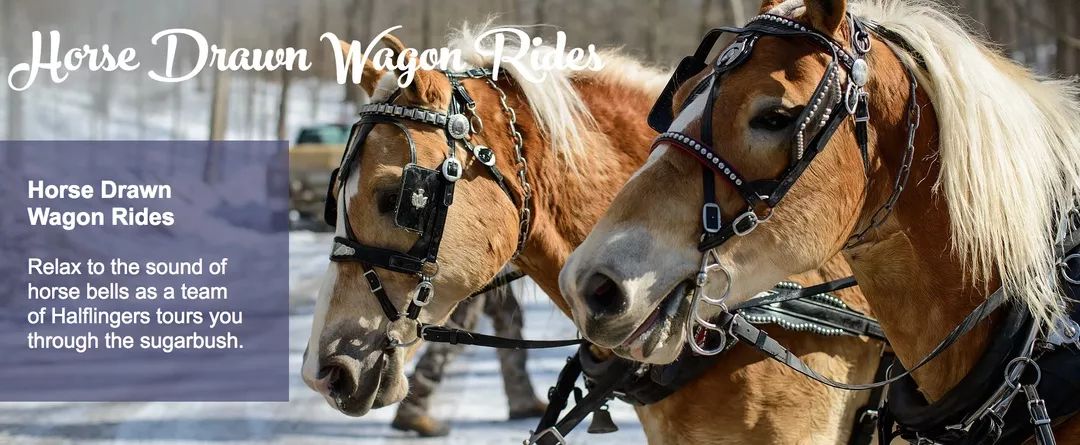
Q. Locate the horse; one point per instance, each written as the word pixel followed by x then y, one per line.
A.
pixel 949 181
pixel 581 134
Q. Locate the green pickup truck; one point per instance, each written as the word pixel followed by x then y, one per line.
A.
pixel 317 151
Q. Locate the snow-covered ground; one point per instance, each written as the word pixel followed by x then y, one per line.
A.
pixel 471 397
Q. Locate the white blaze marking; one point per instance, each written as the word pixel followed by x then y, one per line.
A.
pixel 326 290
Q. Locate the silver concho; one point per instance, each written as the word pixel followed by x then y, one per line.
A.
pixel 418 199
pixel 860 72
pixel 458 126
pixel 732 53
pixel 484 154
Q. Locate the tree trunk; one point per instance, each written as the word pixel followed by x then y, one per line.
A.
pixel 249 105
pixel 1068 53
pixel 737 12
pixel 320 62
pixel 103 98
pixel 15 99
pixel 219 108
pixel 652 28
pixel 178 107
pixel 286 80
pixel 425 24
pixel 706 21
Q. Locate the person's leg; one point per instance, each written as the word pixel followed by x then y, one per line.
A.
pixel 412 413
pixel 505 312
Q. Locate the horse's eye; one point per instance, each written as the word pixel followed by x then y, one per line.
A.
pixel 388 201
pixel 772 120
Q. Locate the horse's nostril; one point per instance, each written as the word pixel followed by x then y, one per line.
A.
pixel 339 377
pixel 603 296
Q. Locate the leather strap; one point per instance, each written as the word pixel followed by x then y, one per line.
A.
pixel 743 330
pixel 503 279
pixel 551 430
pixel 779 295
pixel 454 336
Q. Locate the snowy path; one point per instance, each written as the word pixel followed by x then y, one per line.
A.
pixel 471 397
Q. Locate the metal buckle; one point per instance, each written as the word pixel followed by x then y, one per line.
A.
pixel 451 169
pixel 862 114
pixel 374 283
pixel 552 431
pixel 711 219
pixel 424 292
pixel 749 216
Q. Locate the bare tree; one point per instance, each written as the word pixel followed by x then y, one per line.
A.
pixel 219 108
pixel 737 12
pixel 538 11
pixel 706 24
pixel 425 23
pixel 286 79
pixel 249 104
pixel 1068 49
pixel 356 10
pixel 652 28
pixel 106 20
pixel 319 60
pixel 15 99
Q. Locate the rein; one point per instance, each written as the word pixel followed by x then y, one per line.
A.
pixel 423 203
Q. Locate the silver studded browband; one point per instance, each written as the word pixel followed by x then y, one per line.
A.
pixel 399 111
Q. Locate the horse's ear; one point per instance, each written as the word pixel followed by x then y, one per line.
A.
pixel 826 15
pixel 371 74
pixel 425 85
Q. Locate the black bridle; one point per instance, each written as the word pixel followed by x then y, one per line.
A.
pixel 424 199
pixel 761 196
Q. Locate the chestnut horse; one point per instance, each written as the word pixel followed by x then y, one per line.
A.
pixel 995 167
pixel 583 135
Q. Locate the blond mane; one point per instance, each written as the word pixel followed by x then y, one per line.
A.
pixel 562 116
pixel 1009 149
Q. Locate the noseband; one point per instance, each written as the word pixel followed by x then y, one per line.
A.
pixel 425 194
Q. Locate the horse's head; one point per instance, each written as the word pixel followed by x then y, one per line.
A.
pixel 388 195
pixel 630 284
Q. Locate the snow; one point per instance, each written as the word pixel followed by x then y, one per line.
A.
pixel 471 396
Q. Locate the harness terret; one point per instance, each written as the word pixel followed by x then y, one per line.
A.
pixel 424 198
